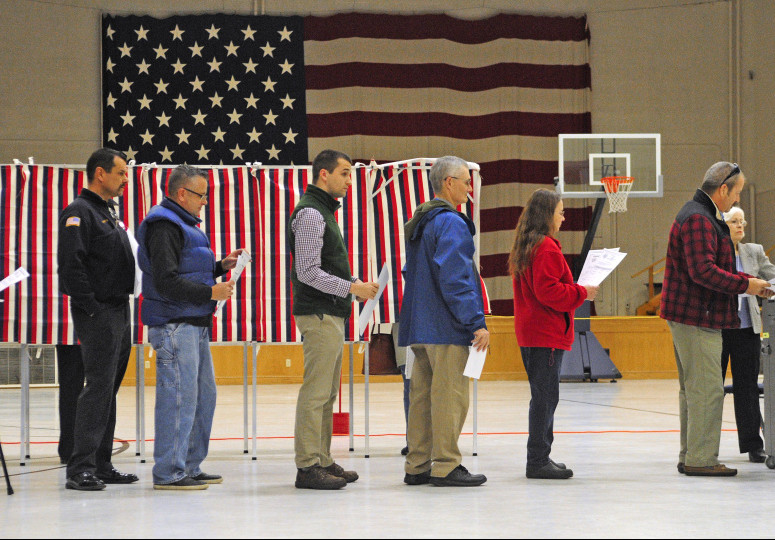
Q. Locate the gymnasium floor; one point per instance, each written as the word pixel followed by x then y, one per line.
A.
pixel 620 439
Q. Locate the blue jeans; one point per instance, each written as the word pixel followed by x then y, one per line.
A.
pixel 185 400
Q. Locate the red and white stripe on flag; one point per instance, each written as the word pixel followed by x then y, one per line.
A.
pixel 12 180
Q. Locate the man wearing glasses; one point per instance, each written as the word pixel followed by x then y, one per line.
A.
pixel 699 300
pixel 180 294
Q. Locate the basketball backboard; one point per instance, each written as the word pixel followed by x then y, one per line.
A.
pixel 586 158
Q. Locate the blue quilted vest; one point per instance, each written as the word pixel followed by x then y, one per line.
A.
pixel 197 264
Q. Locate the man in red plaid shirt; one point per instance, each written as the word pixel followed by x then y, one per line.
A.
pixel 699 299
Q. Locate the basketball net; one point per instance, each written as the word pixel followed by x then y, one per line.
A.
pixel 617 188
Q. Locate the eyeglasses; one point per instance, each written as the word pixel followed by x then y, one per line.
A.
pixel 467 181
pixel 735 170
pixel 202 198
pixel 737 222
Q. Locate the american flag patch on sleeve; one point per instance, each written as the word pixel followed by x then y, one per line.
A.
pixel 73 222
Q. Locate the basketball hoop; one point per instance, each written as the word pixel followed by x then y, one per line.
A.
pixel 617 188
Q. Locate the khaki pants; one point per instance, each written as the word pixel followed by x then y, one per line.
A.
pixel 701 395
pixel 323 343
pixel 437 410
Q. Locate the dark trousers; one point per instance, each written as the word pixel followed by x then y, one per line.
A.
pixel 70 374
pixel 543 373
pixel 105 345
pixel 744 346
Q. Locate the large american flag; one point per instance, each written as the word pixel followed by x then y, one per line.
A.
pixel 229 89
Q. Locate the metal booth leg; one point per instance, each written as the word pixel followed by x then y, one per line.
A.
pixel 352 394
pixel 366 384
pixel 476 418
pixel 256 348
pixel 141 389
pixel 245 397
pixel 24 375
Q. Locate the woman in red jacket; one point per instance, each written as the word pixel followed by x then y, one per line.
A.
pixel 545 299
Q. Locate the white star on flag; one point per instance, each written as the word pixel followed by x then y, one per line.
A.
pixel 196 50
pixel 248 33
pixel 125 50
pixel 215 100
pixel 142 33
pixel 290 136
pixel 166 154
pixel 128 118
pixel 237 152
pixel 234 117
pixel 250 66
pixel 164 120
pixel 286 67
pixel 231 49
pixel 274 153
pixel 218 134
pixel 251 101
pixel 270 118
pixel 199 118
pixel 161 86
pixel 143 67
pixel 268 50
pixel 285 34
pixel 112 135
pixel 145 103
pixel 178 66
pixel 268 85
pixel 182 136
pixel 147 137
pixel 126 86
pixel 215 65
pixel 161 52
pixel 203 152
pixel 109 32
pixel 130 153
pixel 177 33
pixel 109 65
pixel 197 84
pixel 287 101
pixel 232 83
pixel 180 102
pixel 254 135
pixel 213 31
pixel 111 100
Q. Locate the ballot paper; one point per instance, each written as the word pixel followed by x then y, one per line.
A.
pixel 138 273
pixel 772 285
pixel 475 363
pixel 242 262
pixel 599 265
pixel 409 363
pixel 370 305
pixel 18 275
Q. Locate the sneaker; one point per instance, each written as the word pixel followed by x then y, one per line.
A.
pixel 459 477
pixel 208 478
pixel 418 479
pixel 185 484
pixel 317 478
pixel 715 470
pixel 339 472
pixel 757 456
pixel 558 465
pixel 550 471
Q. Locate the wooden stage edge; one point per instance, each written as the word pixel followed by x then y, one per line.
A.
pixel 640 347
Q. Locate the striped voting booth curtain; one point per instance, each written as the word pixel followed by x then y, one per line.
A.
pixel 247 207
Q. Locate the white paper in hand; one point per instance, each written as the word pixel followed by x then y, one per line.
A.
pixel 242 262
pixel 18 275
pixel 475 363
pixel 599 265
pixel 368 308
pixel 409 363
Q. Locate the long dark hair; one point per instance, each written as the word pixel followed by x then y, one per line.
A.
pixel 533 226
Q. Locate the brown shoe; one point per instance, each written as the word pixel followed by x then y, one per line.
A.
pixel 317 478
pixel 339 472
pixel 716 470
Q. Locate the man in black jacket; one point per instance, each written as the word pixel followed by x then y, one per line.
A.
pixel 97 271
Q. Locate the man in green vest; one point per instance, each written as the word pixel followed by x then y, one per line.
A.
pixel 323 289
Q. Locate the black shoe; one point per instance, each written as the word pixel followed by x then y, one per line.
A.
pixel 317 478
pixel 208 478
pixel 114 477
pixel 184 484
pixel 757 456
pixel 404 450
pixel 417 479
pixel 459 477
pixel 85 481
pixel 550 471
pixel 558 465
pixel 681 468
pixel 339 472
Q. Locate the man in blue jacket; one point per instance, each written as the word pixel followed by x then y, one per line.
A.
pixel 442 314
pixel 179 298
